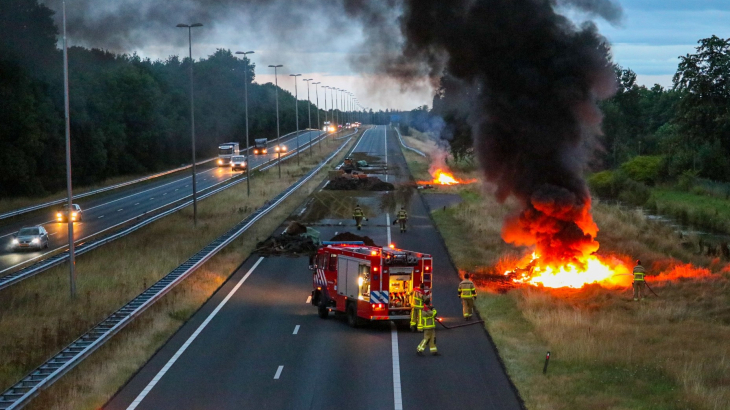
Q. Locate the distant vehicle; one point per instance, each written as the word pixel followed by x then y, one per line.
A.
pixel 30 238
pixel 348 125
pixel 259 146
pixel 226 151
pixel 76 214
pixel 238 162
pixel 328 127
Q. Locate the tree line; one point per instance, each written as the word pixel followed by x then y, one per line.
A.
pixel 129 115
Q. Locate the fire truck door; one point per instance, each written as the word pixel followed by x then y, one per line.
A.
pixel 349 271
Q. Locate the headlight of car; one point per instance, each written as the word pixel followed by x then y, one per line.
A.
pixel 15 241
pixel 35 240
pixel 58 215
pixel 73 214
pixel 220 162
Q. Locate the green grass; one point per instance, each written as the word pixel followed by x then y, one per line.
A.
pixel 688 208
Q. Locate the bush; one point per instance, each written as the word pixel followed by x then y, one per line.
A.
pixel 644 168
pixel 687 180
pixel 603 184
pixel 634 193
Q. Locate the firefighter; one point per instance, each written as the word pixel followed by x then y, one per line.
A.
pixel 416 307
pixel 638 281
pixel 402 219
pixel 467 293
pixel 358 215
pixel 428 317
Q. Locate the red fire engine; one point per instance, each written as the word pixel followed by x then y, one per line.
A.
pixel 367 283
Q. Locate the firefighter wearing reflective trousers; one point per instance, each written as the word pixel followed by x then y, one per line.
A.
pixel 358 215
pixel 402 219
pixel 428 318
pixel 417 307
pixel 638 281
pixel 467 293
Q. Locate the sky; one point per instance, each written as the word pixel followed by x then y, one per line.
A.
pixel 649 40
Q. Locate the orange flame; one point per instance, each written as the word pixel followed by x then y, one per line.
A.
pixel 591 269
pixel 441 177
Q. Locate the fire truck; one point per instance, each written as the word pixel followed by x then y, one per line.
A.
pixel 367 283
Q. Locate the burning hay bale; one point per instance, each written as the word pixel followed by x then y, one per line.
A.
pixel 348 237
pixel 296 240
pixel 359 183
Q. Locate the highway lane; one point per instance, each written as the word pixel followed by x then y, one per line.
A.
pixel 241 351
pixel 104 212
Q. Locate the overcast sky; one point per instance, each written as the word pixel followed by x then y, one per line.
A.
pixel 649 40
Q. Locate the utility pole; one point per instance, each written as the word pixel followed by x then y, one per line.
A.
pixel 192 115
pixel 248 141
pixel 69 191
pixel 278 131
pixel 319 126
pixel 309 114
pixel 296 111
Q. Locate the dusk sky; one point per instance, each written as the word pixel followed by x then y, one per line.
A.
pixel 649 40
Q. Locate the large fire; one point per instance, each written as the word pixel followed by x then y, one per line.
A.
pixel 609 273
pixel 441 177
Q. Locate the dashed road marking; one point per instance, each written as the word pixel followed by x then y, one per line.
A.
pixel 278 372
pixel 296 329
pixel 309 298
pixel 120 209
pixel 137 203
pixel 100 217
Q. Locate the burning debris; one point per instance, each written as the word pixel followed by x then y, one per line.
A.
pixel 441 177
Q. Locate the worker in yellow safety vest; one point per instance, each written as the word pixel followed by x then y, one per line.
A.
pixel 416 307
pixel 428 317
pixel 638 281
pixel 467 293
pixel 358 216
pixel 402 219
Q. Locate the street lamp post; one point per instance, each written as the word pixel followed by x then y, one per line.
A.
pixel 296 110
pixel 248 141
pixel 309 114
pixel 192 115
pixel 72 257
pixel 278 132
pixel 316 93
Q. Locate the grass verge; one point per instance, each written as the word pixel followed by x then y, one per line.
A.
pixel 704 211
pixel 37 317
pixel 607 351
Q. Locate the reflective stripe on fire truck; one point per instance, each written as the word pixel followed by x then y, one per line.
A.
pixel 379 296
pixel 320 278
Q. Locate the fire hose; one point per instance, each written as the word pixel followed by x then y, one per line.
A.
pixel 439 320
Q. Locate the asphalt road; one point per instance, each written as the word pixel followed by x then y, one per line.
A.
pixel 107 211
pixel 258 343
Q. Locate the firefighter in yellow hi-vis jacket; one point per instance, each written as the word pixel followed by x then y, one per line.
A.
pixel 402 219
pixel 416 307
pixel 467 293
pixel 638 280
pixel 428 317
pixel 358 215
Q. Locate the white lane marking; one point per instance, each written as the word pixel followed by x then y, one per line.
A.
pixel 190 340
pixel 278 372
pixel 176 189
pixel 385 133
pixel 397 396
pixel 296 329
pixel 137 203
pixel 100 217
pixel 309 298
pixel 120 209
pixel 152 198
pixel 164 194
pixel 51 234
pixel 387 223
pixel 147 190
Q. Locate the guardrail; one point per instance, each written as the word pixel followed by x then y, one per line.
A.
pixel 22 392
pixel 32 270
pixel 406 146
pixel 121 185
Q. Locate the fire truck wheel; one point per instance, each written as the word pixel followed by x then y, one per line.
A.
pixel 352 318
pixel 322 309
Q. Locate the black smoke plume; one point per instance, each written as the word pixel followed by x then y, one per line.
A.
pixel 535 78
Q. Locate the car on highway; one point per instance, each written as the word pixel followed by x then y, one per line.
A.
pixel 76 214
pixel 238 162
pixel 32 237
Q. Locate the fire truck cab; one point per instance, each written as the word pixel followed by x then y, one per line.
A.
pixel 367 283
